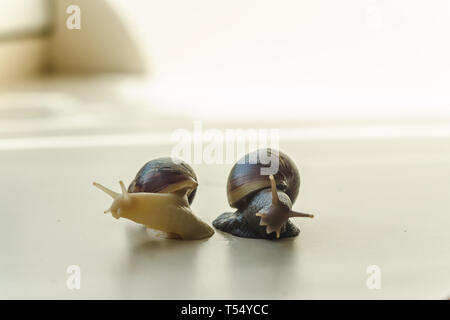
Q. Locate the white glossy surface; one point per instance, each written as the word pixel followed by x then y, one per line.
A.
pixel 378 200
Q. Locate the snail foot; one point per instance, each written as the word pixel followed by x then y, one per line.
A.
pixel 247 226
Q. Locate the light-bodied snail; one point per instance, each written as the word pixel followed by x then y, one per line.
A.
pixel 159 198
pixel 263 202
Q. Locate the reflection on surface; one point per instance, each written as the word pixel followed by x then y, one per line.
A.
pixel 250 267
pixel 152 264
pixel 257 267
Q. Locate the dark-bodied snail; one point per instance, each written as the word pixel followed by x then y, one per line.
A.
pixel 263 202
pixel 159 198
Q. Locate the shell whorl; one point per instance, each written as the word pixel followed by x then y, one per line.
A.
pixel 163 175
pixel 245 177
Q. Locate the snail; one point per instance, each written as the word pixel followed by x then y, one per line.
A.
pixel 263 202
pixel 159 198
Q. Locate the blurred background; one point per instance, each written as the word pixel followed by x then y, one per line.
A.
pixel 359 90
pixel 376 67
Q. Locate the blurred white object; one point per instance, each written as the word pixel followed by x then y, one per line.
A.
pixel 24 17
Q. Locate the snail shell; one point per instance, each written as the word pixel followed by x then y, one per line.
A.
pixel 163 175
pixel 245 177
pixel 263 204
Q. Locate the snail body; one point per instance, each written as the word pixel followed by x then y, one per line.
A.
pixel 167 208
pixel 263 202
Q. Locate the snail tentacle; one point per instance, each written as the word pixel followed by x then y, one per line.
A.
pixel 118 198
pixel 113 194
pixel 278 212
pixel 269 228
pixel 273 187
pixel 124 191
pixel 294 214
pixel 273 220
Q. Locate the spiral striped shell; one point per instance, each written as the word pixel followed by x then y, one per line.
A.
pixel 164 175
pixel 245 178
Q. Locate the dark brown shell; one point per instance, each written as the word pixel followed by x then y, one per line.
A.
pixel 161 175
pixel 245 178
